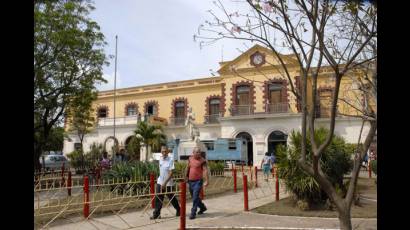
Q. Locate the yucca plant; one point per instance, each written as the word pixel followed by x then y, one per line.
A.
pixel 137 172
pixel 335 162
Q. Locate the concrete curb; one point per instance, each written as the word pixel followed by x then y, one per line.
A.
pixel 263 228
pixel 309 217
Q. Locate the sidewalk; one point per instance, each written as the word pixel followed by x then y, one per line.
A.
pixel 218 209
pixel 223 212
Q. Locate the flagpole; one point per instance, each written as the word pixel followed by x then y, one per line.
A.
pixel 115 83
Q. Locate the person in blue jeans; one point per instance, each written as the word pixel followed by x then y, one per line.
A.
pixel 197 167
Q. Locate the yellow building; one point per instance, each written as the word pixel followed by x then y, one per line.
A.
pixel 251 99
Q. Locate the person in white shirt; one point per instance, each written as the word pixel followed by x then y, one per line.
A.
pixel 165 184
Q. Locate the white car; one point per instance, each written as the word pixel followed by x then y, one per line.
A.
pixel 54 162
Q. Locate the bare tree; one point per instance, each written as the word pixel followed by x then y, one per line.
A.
pixel 336 35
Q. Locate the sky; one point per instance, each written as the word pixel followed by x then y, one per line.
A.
pixel 155 41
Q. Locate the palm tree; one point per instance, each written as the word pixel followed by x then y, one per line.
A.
pixel 151 135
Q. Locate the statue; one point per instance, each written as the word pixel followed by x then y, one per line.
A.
pixel 193 131
pixel 139 118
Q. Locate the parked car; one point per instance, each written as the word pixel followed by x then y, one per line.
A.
pixel 55 162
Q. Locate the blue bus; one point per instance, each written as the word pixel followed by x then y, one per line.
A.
pixel 221 149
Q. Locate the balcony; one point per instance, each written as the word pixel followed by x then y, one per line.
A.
pixel 239 110
pixel 131 120
pixel 177 121
pixel 212 119
pixel 277 108
pixel 128 120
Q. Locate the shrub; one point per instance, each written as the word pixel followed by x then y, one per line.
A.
pixel 136 171
pixel 93 157
pixel 75 159
pixel 180 167
pixel 335 163
pixel 216 166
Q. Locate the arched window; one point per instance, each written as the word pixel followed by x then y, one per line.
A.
pixel 102 112
pixel 242 95
pixel 151 109
pixel 179 109
pixel 131 110
pixel 214 106
pixel 324 102
pixel 275 93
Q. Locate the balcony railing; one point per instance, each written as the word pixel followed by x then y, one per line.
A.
pixel 237 110
pixel 211 119
pixel 177 121
pixel 118 120
pixel 324 112
pixel 277 108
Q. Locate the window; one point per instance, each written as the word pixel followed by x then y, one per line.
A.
pixel 179 109
pixel 325 98
pixel 102 112
pixel 77 146
pixel 151 109
pixel 232 145
pixel 275 93
pixel 214 106
pixel 209 145
pixel 242 93
pixel 131 110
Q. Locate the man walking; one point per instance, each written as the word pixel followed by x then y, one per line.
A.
pixel 197 167
pixel 165 184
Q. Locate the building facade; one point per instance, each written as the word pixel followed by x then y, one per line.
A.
pixel 250 99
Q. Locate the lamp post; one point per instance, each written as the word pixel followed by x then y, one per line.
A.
pixel 115 81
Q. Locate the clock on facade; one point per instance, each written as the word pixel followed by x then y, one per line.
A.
pixel 257 59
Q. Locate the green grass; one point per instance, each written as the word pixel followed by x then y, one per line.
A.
pixel 287 206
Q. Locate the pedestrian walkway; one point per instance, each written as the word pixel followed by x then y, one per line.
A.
pixel 218 207
pixel 223 212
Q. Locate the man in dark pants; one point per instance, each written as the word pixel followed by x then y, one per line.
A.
pixel 165 184
pixel 197 167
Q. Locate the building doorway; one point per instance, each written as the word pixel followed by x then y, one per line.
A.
pixel 276 138
pixel 133 148
pixel 246 136
pixel 111 145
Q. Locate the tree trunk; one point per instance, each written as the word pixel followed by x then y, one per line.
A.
pixel 36 157
pixel 146 152
pixel 344 220
pixel 82 156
